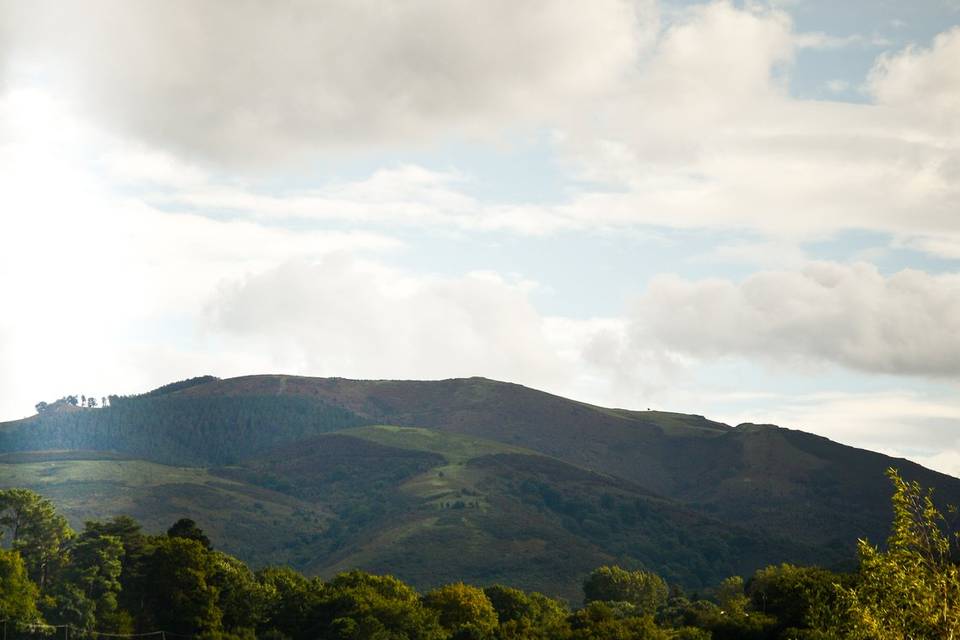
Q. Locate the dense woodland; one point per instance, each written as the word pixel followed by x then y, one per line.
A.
pixel 111 577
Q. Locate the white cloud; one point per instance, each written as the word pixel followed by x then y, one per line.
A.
pixel 706 135
pixel 826 313
pixel 343 316
pixel 837 85
pixel 689 127
pixel 820 40
pixel 924 83
pixel 768 255
pixel 89 275
pixel 250 83
pixel 941 245
pixel 403 195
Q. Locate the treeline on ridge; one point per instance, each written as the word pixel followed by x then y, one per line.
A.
pixel 112 578
pixel 180 430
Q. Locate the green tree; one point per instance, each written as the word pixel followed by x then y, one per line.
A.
pixel 34 528
pixel 94 567
pixel 290 601
pixel 360 606
pixel 188 529
pixel 180 596
pixel 242 599
pixel 734 619
pixel 464 611
pixel 527 616
pixel 798 597
pixel 643 589
pixel 68 604
pixel 18 595
pixel 911 590
pixel 606 620
pixel 136 549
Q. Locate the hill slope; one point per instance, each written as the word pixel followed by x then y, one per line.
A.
pixel 467 478
pixel 760 476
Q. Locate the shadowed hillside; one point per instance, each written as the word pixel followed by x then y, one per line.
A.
pixel 755 475
pixel 458 479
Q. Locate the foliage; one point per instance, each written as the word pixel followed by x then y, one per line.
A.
pixel 465 611
pixel 797 597
pixel 912 589
pixel 602 620
pixel 113 578
pixel 181 596
pixel 18 595
pixel 289 601
pixel 187 529
pixel 92 576
pixel 522 615
pixel 35 530
pixel 644 590
pixel 357 606
pixel 241 597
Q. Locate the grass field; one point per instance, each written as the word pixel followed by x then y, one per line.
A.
pixel 456 448
pixel 234 514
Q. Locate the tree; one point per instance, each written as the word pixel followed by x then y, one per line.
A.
pixel 18 595
pixel 136 549
pixel 290 600
pixel 733 619
pixel 643 589
pixel 188 529
pixel 605 620
pixel 180 597
pixel 41 406
pixel 91 580
pixel 464 611
pixel 35 530
pixel 911 590
pixel 798 597
pixel 357 606
pixel 242 599
pixel 527 616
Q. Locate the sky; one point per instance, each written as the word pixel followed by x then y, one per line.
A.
pixel 745 210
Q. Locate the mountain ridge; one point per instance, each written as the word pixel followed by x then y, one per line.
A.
pixel 463 478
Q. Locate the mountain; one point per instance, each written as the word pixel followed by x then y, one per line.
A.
pixel 458 479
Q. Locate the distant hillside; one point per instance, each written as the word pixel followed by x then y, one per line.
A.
pixel 468 478
pixel 751 475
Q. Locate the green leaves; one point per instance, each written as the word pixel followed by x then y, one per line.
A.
pixel 18 595
pixel 114 578
pixel 643 589
pixel 35 529
pixel 911 590
pixel 464 611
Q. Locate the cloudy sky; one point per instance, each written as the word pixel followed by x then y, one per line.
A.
pixel 748 210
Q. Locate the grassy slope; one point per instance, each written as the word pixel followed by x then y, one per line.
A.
pixel 91 486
